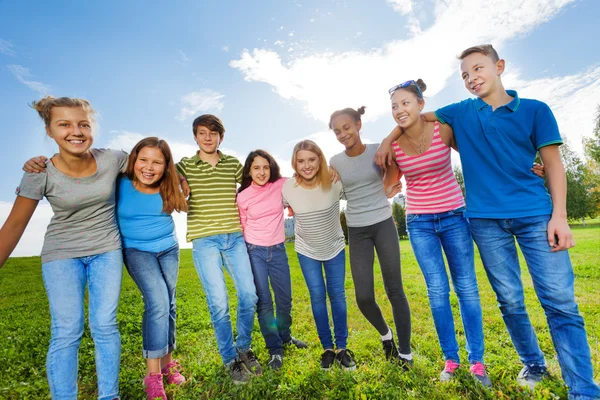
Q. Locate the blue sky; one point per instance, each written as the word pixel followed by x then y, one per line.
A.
pixel 273 70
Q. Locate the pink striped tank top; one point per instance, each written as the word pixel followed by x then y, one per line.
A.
pixel 431 186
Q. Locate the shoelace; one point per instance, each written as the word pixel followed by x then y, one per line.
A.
pixel 276 357
pixel 154 384
pixel 172 368
pixel 478 369
pixel 451 366
pixel 534 370
pixel 328 355
pixel 347 355
pixel 236 366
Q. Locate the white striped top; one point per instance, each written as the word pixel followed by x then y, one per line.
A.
pixel 431 186
pixel 318 229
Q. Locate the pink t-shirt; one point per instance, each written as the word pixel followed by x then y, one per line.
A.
pixel 261 213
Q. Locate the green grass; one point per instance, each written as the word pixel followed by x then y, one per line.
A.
pixel 24 336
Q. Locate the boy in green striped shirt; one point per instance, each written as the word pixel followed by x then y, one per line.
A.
pixel 213 227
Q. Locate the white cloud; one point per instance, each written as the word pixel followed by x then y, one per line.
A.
pixel 6 48
pixel 325 82
pixel 572 98
pixel 184 57
pixel 203 101
pixel 402 6
pixel 22 74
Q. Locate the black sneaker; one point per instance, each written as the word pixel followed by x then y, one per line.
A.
pixel 250 362
pixel 530 375
pixel 405 363
pixel 238 372
pixel 327 359
pixel 346 359
pixel 391 351
pixel 276 362
pixel 296 342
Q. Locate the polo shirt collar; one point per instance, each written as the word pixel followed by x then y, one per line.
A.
pixel 197 159
pixel 513 105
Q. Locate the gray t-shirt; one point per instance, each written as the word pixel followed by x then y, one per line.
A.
pixel 363 186
pixel 84 222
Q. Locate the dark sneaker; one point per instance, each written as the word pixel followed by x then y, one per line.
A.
pixel 327 359
pixel 296 342
pixel 346 359
pixel 448 373
pixel 478 371
pixel 391 351
pixel 530 375
pixel 250 362
pixel 238 372
pixel 405 363
pixel 276 362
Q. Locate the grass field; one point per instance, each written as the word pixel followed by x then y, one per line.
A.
pixel 24 336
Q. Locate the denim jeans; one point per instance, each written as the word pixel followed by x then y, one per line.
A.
pixel 553 281
pixel 65 281
pixel 450 231
pixel 210 255
pixel 155 274
pixel 319 289
pixel 270 263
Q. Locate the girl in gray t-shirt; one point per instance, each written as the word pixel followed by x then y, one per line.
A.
pixel 81 247
pixel 371 227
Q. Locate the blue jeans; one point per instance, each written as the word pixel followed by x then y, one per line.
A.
pixel 450 231
pixel 155 274
pixel 271 263
pixel 65 281
pixel 210 255
pixel 319 289
pixel 553 281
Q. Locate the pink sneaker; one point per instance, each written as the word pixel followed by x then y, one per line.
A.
pixel 171 371
pixel 154 386
pixel 448 372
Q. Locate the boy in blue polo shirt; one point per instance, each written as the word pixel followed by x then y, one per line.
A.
pixel 498 135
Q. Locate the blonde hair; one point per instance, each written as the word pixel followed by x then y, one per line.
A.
pixel 46 104
pixel 323 174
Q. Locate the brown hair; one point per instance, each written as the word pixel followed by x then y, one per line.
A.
pixel 46 104
pixel 323 174
pixel 173 199
pixel 485 49
pixel 209 121
pixel 273 167
pixel 355 114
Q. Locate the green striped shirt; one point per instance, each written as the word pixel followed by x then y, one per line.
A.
pixel 212 206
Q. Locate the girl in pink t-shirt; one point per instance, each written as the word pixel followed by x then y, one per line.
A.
pixel 260 204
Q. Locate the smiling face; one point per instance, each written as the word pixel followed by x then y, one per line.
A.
pixel 71 128
pixel 207 140
pixel 260 171
pixel 307 164
pixel 406 108
pixel 149 166
pixel 346 130
pixel 481 74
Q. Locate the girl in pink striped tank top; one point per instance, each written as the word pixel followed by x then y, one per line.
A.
pixel 435 222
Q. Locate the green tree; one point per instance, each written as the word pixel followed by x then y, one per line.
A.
pixel 460 179
pixel 400 219
pixel 591 145
pixel 344 224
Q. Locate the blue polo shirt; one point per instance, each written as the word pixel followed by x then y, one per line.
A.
pixel 497 149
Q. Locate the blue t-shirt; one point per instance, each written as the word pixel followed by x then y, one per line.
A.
pixel 497 149
pixel 141 221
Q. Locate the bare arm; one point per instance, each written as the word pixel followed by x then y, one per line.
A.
pixel 383 155
pixel 558 228
pixel 391 180
pixel 15 225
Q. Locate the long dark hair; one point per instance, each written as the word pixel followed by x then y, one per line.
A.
pixel 273 166
pixel 173 199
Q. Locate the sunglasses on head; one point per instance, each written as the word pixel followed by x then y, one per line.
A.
pixel 405 85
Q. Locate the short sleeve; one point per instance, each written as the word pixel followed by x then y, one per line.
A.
pixel 122 158
pixel 449 113
pixel 238 171
pixel 33 186
pixel 181 167
pixel 545 130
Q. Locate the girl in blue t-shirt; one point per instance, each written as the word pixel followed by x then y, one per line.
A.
pixel 147 195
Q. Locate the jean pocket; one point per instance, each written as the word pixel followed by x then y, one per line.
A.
pixel 250 246
pixel 411 217
pixel 458 211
